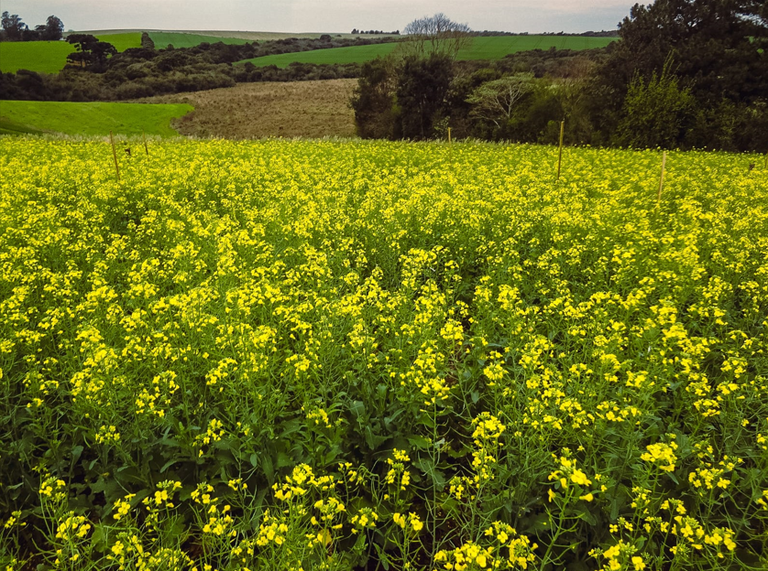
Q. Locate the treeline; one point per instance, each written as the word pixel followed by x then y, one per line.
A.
pixel 355 31
pixel 589 34
pixel 97 73
pixel 684 75
pixel 521 97
pixel 15 30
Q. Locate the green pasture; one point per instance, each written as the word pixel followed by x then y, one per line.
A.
pixel 122 41
pixel 96 118
pixel 184 40
pixel 491 47
pixel 496 47
pixel 44 57
pixel 51 57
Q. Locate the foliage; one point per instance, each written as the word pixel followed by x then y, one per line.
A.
pixel 374 98
pixel 146 41
pixel 15 30
pixel 348 355
pixel 13 27
pixel 91 53
pixel 422 85
pixel 719 54
pixel 717 46
pixel 657 113
pixel 495 100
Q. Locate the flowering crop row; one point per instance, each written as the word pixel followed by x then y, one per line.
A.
pixel 336 355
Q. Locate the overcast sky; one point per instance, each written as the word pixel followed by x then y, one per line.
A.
pixel 322 15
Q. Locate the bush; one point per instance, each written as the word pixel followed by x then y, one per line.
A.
pixel 657 113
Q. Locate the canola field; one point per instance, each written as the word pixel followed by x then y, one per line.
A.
pixel 299 355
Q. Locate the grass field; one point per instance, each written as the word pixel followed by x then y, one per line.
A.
pixel 329 355
pixel 184 40
pixel 256 110
pixel 494 47
pixel 51 57
pixel 43 57
pixel 89 118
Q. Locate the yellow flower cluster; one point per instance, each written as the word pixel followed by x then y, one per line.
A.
pixel 661 454
pixel 410 523
pixel 450 302
pixel 507 550
pixel 398 474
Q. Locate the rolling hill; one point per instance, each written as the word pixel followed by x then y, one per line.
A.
pixel 483 47
pixel 51 57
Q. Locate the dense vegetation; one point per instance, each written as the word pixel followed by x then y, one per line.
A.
pixel 146 71
pixel 330 355
pixel 686 73
pixel 15 30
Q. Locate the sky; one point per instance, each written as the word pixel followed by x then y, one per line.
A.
pixel 333 16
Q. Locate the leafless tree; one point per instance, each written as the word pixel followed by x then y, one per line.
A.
pixel 435 34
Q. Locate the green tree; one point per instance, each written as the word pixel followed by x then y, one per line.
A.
pixel 421 89
pixel 718 46
pixel 374 98
pixel 13 27
pixel 52 29
pixel 657 112
pixel 495 101
pixel 147 42
pixel 91 53
pixel 720 49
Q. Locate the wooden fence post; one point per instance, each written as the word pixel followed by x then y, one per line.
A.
pixel 661 179
pixel 144 137
pixel 114 155
pixel 449 135
pixel 560 156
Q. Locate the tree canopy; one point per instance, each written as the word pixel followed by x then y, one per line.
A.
pixel 15 30
pixel 91 52
pixel 718 46
pixel 436 34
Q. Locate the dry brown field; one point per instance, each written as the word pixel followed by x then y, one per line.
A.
pixel 255 110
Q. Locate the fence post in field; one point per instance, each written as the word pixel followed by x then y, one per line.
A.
pixel 144 137
pixel 560 156
pixel 661 179
pixel 114 155
pixel 449 134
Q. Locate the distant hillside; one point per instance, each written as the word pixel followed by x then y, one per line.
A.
pixel 51 57
pixel 482 48
pixel 241 35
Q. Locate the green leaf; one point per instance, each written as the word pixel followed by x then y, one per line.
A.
pixel 419 442
pixel 427 465
pixel 267 466
pixel 373 440
pixel 357 408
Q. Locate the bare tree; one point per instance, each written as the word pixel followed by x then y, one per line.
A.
pixel 495 101
pixel 436 34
